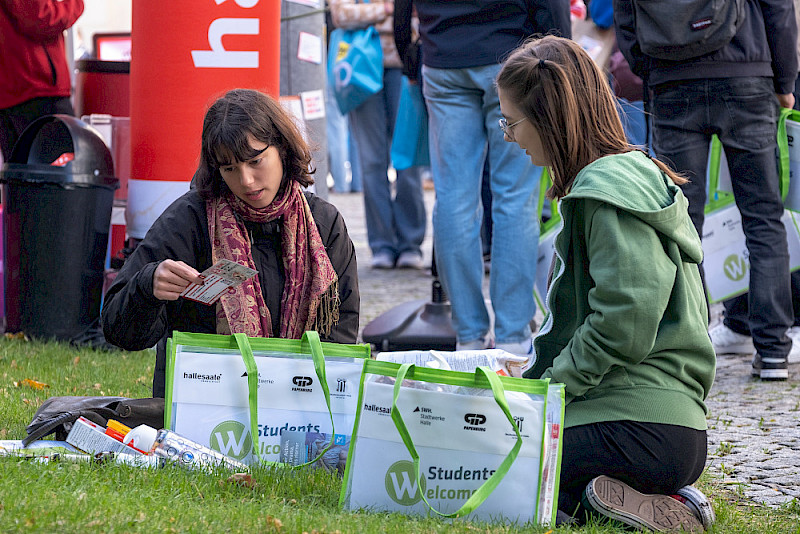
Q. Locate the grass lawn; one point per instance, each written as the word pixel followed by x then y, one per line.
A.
pixel 78 497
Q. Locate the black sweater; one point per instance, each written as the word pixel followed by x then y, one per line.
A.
pixel 134 319
pixel 459 34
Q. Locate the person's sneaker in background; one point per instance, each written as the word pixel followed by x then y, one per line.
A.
pixel 767 368
pixel 794 334
pixel 482 343
pixel 382 260
pixel 410 260
pixel 614 499
pixel 698 503
pixel 726 341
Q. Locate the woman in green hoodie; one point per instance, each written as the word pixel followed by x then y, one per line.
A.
pixel 626 323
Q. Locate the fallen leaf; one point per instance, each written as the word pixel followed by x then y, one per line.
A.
pixel 96 523
pixel 17 335
pixel 242 479
pixel 76 360
pixel 33 384
pixel 277 523
pixel 97 386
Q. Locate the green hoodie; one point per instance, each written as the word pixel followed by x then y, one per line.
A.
pixel 626 328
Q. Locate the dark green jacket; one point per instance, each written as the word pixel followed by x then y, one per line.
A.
pixel 627 327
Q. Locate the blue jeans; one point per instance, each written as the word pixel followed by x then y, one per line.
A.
pixel 336 132
pixel 743 112
pixel 395 220
pixel 340 147
pixel 464 111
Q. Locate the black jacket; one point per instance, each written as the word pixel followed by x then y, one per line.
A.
pixel 134 319
pixel 459 34
pixel 765 45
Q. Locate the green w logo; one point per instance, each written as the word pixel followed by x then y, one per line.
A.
pixel 231 439
pixel 735 267
pixel 400 483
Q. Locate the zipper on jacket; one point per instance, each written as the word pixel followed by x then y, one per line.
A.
pixel 52 66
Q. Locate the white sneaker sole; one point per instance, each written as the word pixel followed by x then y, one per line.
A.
pixel 699 504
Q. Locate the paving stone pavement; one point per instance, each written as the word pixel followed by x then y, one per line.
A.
pixel 754 426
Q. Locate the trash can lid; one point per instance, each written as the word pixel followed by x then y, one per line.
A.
pixel 60 149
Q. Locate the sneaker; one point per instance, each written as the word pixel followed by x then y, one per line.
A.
pixel 382 260
pixel 410 260
pixel 660 513
pixel 482 343
pixel 770 368
pixel 726 341
pixel 794 355
pixel 698 503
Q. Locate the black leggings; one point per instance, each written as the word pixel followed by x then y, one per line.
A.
pixel 649 457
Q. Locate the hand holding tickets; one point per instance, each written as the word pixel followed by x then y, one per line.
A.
pixel 174 279
pixel 216 280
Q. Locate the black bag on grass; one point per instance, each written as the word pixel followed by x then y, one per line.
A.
pixel 57 414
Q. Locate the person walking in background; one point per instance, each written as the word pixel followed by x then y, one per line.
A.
pixel 734 92
pixel 396 219
pixel 463 43
pixel 626 329
pixel 34 76
pixel 341 148
pixel 732 336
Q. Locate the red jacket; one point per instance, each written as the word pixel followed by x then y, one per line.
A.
pixel 33 60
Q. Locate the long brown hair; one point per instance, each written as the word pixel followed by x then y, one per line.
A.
pixel 560 89
pixel 226 127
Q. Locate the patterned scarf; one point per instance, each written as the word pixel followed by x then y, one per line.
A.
pixel 310 299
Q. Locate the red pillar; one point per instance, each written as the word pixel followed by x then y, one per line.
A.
pixel 185 54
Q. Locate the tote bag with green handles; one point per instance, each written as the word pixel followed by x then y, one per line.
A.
pixel 238 395
pixel 726 259
pixel 468 445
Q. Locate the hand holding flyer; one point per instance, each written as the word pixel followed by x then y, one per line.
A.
pixel 217 279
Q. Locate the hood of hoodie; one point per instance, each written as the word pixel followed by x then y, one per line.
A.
pixel 651 196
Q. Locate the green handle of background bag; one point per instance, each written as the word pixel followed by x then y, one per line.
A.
pixel 486 489
pixel 783 148
pixel 555 218
pixel 312 338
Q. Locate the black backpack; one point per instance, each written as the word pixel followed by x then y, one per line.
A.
pixel 684 29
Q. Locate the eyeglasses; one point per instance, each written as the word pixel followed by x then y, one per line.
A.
pixel 507 128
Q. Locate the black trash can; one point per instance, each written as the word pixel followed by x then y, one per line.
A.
pixel 57 193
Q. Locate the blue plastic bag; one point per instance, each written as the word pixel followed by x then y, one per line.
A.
pixel 410 139
pixel 355 66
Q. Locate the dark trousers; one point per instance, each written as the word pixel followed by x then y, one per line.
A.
pixel 15 119
pixel 736 309
pixel 649 457
pixel 743 112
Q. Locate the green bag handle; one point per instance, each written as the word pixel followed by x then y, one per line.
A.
pixel 555 218
pixel 783 148
pixel 486 489
pixel 312 339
